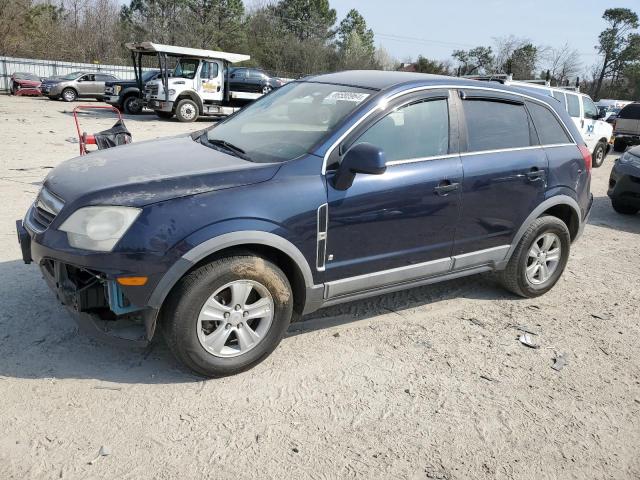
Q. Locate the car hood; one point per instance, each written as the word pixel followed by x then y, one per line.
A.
pixel 142 173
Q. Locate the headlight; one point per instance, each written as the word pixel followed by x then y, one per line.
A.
pixel 117 89
pixel 630 159
pixel 172 91
pixel 98 228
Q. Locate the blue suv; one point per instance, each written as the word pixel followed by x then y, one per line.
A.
pixel 329 189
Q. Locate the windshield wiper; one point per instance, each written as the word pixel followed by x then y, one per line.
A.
pixel 230 147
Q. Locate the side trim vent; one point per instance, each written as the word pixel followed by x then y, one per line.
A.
pixel 323 222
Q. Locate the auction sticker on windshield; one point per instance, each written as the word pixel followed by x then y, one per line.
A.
pixel 356 97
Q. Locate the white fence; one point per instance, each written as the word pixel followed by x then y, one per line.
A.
pixel 49 68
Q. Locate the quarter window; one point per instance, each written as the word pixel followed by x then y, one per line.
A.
pixel 573 105
pixel 590 109
pixel 560 96
pixel 417 130
pixel 547 125
pixel 494 125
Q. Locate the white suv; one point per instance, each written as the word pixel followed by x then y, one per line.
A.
pixel 596 133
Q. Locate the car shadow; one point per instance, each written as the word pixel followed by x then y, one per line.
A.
pixel 603 215
pixel 40 339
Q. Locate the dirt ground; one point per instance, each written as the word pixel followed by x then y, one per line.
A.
pixel 427 383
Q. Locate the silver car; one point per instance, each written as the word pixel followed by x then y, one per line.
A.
pixel 76 85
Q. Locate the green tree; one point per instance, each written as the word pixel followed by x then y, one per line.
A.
pixel 217 24
pixel 522 63
pixel 306 19
pixel 355 24
pixel 425 65
pixel 475 61
pixel 617 44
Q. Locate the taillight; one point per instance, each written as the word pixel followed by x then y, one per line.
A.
pixel 586 155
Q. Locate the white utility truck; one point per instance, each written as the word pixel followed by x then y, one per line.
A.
pixel 197 86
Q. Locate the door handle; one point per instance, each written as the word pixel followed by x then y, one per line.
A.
pixel 445 187
pixel 535 174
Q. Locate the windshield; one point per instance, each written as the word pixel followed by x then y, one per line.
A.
pixel 288 122
pixel 71 76
pixel 186 68
pixel 25 76
pixel 146 76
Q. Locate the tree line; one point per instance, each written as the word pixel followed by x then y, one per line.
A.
pixel 293 38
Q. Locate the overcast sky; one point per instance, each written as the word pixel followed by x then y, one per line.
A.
pixel 436 28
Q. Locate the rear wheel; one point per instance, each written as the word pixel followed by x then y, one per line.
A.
pixel 623 208
pixel 164 115
pixel 539 259
pixel 599 154
pixel 187 110
pixel 266 89
pixel 69 95
pixel 132 105
pixel 619 145
pixel 229 315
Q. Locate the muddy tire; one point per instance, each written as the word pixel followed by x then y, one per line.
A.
pixel 187 111
pixel 599 154
pixel 227 316
pixel 539 259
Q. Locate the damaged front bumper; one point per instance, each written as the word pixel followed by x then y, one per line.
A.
pixel 96 301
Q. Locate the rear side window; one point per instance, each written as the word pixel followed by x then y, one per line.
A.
pixel 560 96
pixel 493 125
pixel 573 105
pixel 549 129
pixel 417 130
pixel 631 111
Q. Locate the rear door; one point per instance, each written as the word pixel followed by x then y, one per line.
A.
pixel 406 216
pixel 505 173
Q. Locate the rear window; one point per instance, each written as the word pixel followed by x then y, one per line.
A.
pixel 631 111
pixel 550 131
pixel 493 125
pixel 573 105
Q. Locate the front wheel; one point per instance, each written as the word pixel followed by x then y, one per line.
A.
pixel 229 315
pixel 132 105
pixel 623 208
pixel 69 95
pixel 599 153
pixel 187 111
pixel 619 145
pixel 539 259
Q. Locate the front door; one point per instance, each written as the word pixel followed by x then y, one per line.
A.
pixel 505 174
pixel 210 83
pixel 399 225
pixel 87 85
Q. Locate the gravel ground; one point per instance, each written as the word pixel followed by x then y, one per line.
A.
pixel 426 383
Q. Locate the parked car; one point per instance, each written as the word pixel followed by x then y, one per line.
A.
pixel 226 235
pixel 243 79
pixel 76 85
pixel 624 183
pixel 125 94
pixel 22 83
pixel 627 127
pixel 609 113
pixel 594 130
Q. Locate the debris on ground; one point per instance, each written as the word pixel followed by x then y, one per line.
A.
pixel 524 328
pixel 487 378
pixel 527 340
pixel 336 335
pixel 475 321
pixel 559 362
pixel 71 139
pixel 104 452
pixel 105 387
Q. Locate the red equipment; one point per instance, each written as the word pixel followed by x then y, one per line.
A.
pixel 116 135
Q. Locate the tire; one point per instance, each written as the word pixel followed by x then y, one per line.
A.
pixel 515 277
pixel 599 154
pixel 132 105
pixel 623 208
pixel 165 115
pixel 14 89
pixel 187 335
pixel 266 89
pixel 69 95
pixel 619 145
pixel 187 110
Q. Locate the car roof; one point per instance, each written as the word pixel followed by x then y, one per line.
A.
pixel 387 80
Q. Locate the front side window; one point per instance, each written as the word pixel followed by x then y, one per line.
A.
pixel 573 105
pixel 413 131
pixel 590 109
pixel 495 125
pixel 88 78
pixel 186 68
pixel 547 125
pixel 288 122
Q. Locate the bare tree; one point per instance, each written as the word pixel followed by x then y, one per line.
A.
pixel 562 63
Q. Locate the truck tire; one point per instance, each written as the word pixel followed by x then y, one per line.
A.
pixel 132 104
pixel 187 110
pixel 69 95
pixel 622 208
pixel 619 145
pixel 227 316
pixel 165 115
pixel 539 259
pixel 599 154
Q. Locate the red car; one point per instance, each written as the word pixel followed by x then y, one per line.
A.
pixel 25 84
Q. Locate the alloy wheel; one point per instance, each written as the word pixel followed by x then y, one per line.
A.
pixel 544 258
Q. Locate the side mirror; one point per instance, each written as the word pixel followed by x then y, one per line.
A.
pixel 361 158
